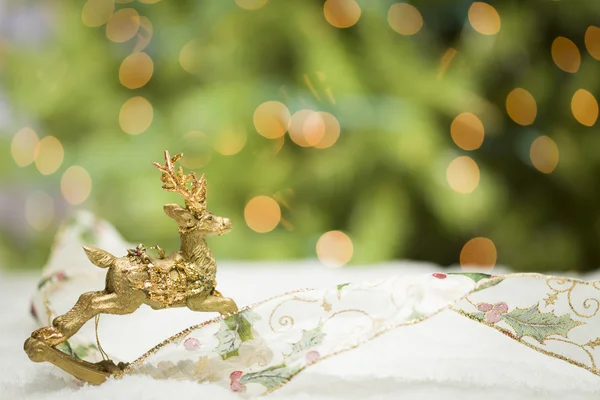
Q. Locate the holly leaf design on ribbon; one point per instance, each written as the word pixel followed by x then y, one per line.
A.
pixel 271 377
pixel 479 316
pixel 241 325
pixel 229 341
pixel 479 276
pixel 310 338
pixel 476 276
pixel 339 289
pixel 250 316
pixel 81 351
pixel 66 348
pixel 235 330
pixel 538 325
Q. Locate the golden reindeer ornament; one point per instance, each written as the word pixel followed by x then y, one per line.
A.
pixel 185 278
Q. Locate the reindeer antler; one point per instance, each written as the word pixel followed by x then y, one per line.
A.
pixel 195 198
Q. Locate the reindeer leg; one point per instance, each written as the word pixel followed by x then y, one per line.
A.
pixel 66 325
pixel 40 346
pixel 88 306
pixel 222 305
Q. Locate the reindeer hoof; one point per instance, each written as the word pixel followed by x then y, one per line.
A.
pixel 49 335
pixel 36 349
pixel 109 366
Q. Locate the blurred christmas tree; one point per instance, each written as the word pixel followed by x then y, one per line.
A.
pixel 442 131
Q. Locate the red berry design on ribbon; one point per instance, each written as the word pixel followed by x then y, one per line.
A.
pixel 312 356
pixel 235 385
pixel 191 344
pixel 493 312
pixel 439 275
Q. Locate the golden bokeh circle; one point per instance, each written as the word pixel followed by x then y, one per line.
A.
pixel 149 1
pixel 97 12
pixel 332 130
pixel 307 128
pixel 341 13
pixel 23 146
pixel 144 34
pixel 271 119
pixel 123 25
pixel 479 254
pixel 251 5
pixel 544 154
pixel 592 41
pixel 565 54
pixel 230 141
pixel 136 115
pixel 262 214
pixel 584 107
pixel 521 106
pixel 467 131
pixel 463 175
pixel 334 249
pixel 189 56
pixel 49 155
pixel 76 185
pixel 484 18
pixel 136 70
pixel 405 19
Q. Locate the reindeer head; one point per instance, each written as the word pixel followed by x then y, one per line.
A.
pixel 195 216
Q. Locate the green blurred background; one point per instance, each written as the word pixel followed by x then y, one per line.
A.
pixel 435 147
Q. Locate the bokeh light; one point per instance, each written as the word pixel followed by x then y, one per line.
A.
pixel 332 131
pixel 405 19
pixel 251 4
pixel 23 146
pixel 484 18
pixel 262 214
pixel 230 141
pixel 521 106
pixel 48 155
pixel 271 119
pixel 149 1
pixel 334 249
pixel 144 34
pixel 544 154
pixel 341 13
pixel 76 185
pixel 136 70
pixel 123 25
pixel 584 107
pixel 97 12
pixel 592 41
pixel 307 128
pixel 566 54
pixel 136 115
pixel 463 175
pixel 467 131
pixel 478 254
pixel 39 210
pixel 189 56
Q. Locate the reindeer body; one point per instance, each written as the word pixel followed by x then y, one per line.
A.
pixel 185 278
pixel 166 282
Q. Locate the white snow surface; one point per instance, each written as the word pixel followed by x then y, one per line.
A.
pixel 446 357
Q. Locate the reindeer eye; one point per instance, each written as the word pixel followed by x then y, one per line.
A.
pixel 210 218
